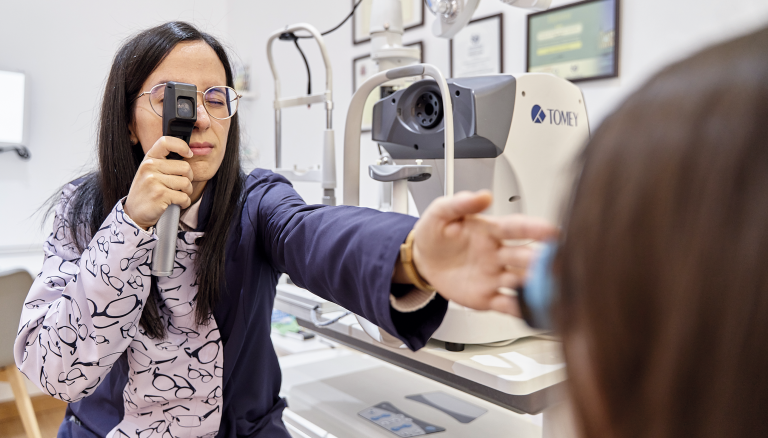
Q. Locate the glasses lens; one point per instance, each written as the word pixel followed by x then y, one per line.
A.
pixel 188 421
pixel 221 102
pixel 156 95
pixel 159 426
pixel 140 358
pixel 121 307
pixel 187 392
pixel 161 382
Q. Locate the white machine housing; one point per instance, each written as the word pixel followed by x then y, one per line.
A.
pixel 532 174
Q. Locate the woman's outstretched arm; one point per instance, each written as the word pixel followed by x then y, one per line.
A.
pixel 348 254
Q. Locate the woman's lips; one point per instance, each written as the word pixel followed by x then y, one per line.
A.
pixel 201 148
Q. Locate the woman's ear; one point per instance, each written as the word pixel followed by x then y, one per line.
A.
pixel 133 138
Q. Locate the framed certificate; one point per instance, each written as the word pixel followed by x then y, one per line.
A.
pixel 578 42
pixel 478 49
pixel 363 67
pixel 413 16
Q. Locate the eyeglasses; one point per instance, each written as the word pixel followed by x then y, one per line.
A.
pixel 188 332
pixel 103 245
pixel 156 399
pixel 177 309
pixel 116 283
pixel 115 310
pixel 200 373
pixel 126 262
pixel 146 361
pixel 208 352
pixel 187 420
pixel 158 426
pixel 98 339
pixel 213 396
pixel 170 346
pixel 164 382
pixel 221 102
pixel 128 330
pixel 106 361
pixel 183 254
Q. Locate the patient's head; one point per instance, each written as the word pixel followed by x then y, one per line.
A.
pixel 664 265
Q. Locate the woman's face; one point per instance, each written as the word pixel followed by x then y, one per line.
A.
pixel 192 63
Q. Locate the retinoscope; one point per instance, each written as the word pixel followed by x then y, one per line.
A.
pixel 179 117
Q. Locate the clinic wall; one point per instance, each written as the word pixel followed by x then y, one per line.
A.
pixel 65 49
pixel 653 34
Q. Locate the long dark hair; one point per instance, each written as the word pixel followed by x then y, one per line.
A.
pixel 664 284
pixel 119 160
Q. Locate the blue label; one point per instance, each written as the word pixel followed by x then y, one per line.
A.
pixel 555 117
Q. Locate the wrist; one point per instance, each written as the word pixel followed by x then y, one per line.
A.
pixel 126 211
pixel 408 255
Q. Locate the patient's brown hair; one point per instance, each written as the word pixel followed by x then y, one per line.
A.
pixel 664 265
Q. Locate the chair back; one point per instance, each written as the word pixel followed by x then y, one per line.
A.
pixel 14 287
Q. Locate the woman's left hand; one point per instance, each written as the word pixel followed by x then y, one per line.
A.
pixel 463 255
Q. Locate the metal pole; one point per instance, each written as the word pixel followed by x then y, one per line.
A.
pixel 278 154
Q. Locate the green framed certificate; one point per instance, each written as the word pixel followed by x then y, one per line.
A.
pixel 577 42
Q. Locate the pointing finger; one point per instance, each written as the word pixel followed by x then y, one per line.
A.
pixel 505 304
pixel 517 226
pixel 461 204
pixel 515 256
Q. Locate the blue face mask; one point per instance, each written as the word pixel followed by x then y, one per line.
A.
pixel 540 289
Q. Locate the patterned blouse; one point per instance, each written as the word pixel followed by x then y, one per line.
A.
pixel 83 312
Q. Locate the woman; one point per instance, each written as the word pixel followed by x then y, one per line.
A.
pixel 663 303
pixel 189 354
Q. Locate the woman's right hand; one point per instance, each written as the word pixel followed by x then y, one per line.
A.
pixel 160 182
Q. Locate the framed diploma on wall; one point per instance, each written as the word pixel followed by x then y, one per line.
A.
pixel 478 49
pixel 413 16
pixel 363 67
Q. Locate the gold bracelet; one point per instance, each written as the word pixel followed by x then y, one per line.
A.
pixel 406 258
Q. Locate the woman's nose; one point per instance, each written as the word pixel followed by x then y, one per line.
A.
pixel 203 119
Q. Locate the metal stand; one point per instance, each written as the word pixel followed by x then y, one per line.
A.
pixel 325 174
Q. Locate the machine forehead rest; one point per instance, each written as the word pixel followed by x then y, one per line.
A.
pixel 410 172
pixel 404 72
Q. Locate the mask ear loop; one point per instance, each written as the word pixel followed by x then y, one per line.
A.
pixel 540 289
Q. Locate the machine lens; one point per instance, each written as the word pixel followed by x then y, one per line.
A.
pixel 428 109
pixel 185 107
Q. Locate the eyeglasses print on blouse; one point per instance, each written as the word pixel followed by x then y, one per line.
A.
pixel 207 352
pixel 188 332
pixel 176 416
pixel 199 373
pixel 165 383
pixel 113 311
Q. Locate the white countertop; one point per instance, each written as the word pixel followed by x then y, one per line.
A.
pixel 328 388
pixel 523 367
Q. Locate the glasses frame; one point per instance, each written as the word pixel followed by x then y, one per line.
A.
pixel 237 98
